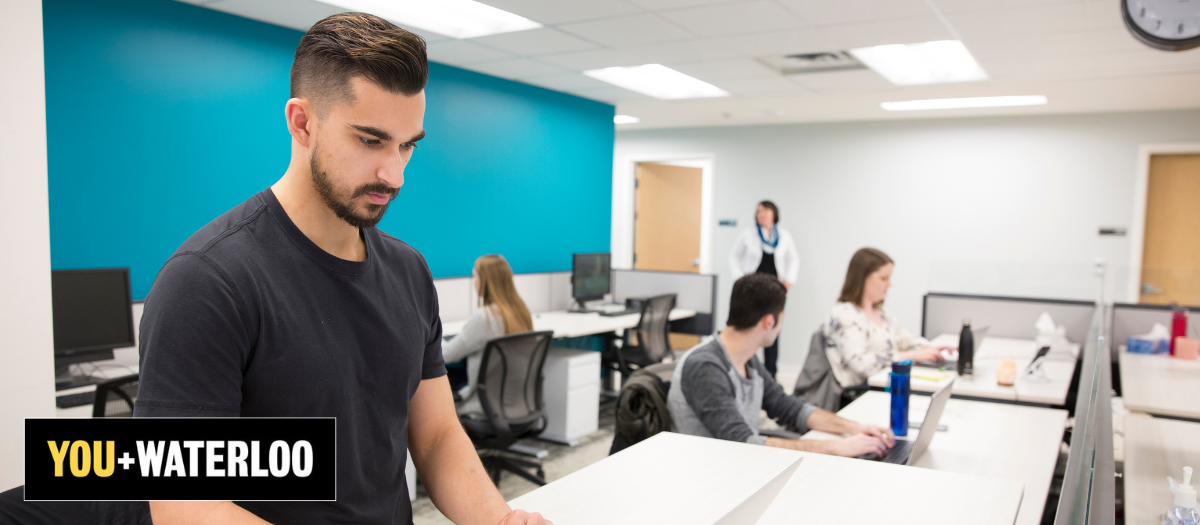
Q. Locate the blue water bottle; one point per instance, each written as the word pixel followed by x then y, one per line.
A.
pixel 899 383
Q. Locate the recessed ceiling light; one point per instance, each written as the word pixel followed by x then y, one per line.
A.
pixel 453 18
pixel 657 81
pixel 927 63
pixel 972 102
pixel 626 119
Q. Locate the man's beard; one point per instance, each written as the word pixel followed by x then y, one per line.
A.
pixel 345 209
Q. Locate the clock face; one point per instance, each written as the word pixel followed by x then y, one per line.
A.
pixel 1172 25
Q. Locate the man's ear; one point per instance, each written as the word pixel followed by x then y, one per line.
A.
pixel 301 118
pixel 767 322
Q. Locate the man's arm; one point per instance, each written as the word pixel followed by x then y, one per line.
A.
pixel 827 421
pixel 865 439
pixel 201 513
pixel 449 465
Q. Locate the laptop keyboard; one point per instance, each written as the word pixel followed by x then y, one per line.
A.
pixel 898 455
pixel 75 400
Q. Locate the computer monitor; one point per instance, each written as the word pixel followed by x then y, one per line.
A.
pixel 93 314
pixel 591 276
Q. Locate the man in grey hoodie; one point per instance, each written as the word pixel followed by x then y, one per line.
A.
pixel 720 386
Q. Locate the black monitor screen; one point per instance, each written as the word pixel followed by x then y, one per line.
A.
pixel 590 275
pixel 92 310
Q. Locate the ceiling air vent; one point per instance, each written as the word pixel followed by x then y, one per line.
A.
pixel 805 63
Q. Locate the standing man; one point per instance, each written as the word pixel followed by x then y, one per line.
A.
pixel 293 304
pixel 769 249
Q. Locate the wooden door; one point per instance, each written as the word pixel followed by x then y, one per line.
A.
pixel 666 233
pixel 1171 253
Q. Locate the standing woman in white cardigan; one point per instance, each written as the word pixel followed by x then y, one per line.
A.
pixel 766 248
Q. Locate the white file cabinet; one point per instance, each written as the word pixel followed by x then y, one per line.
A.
pixel 572 393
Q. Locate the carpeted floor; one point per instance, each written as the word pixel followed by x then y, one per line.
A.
pixel 562 460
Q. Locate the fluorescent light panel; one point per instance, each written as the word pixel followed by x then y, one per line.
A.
pixel 453 18
pixel 973 102
pixel 928 63
pixel 626 119
pixel 657 81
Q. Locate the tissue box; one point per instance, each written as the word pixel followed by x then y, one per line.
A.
pixel 1141 345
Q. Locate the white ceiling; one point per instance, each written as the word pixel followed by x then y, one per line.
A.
pixel 1076 52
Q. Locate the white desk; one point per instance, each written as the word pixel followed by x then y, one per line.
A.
pixel 1154 449
pixel 1161 384
pixel 106 370
pixel 569 324
pixel 1059 367
pixel 677 479
pixel 994 440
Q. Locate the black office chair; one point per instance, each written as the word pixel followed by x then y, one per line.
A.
pixel 510 392
pixel 115 397
pixel 647 343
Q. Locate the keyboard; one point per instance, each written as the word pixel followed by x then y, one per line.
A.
pixel 620 312
pixel 898 455
pixel 76 400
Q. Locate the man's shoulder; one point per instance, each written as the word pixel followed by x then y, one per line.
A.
pixel 703 356
pixel 225 229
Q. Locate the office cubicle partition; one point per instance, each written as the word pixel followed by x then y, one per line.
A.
pixel 693 291
pixel 1013 317
pixel 542 292
pixel 1137 319
pixel 1088 494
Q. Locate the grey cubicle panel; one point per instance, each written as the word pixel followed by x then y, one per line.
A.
pixel 1004 316
pixel 1088 490
pixel 454 298
pixel 541 291
pixel 693 291
pixel 1137 319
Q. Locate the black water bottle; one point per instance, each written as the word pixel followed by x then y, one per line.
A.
pixel 966 350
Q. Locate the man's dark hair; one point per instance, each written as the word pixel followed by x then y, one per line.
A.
pixel 755 296
pixel 348 45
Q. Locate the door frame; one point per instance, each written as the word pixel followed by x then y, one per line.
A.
pixel 1137 228
pixel 624 204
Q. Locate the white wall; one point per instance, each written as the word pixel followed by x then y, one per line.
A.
pixel 982 205
pixel 26 340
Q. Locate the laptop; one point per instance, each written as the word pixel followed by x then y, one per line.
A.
pixel 907 452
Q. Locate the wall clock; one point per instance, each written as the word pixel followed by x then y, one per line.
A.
pixel 1169 25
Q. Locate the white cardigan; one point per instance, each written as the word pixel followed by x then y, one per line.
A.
pixel 747 253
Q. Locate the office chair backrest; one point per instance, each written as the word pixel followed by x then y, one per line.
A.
pixel 510 379
pixel 816 384
pixel 653 329
pixel 115 397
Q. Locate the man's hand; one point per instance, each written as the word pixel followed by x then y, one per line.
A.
pixel 857 445
pixel 884 435
pixel 520 517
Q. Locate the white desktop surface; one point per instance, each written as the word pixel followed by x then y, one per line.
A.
pixel 571 324
pixel 1154 449
pixel 673 478
pixel 106 370
pixel 1059 367
pixel 1160 384
pixel 994 440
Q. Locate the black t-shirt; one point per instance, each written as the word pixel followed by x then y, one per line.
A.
pixel 250 318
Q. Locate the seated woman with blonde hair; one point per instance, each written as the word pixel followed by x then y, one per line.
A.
pixel 860 337
pixel 500 312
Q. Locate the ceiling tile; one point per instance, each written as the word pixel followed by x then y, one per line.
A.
pixel 519 68
pixel 560 11
pixel 825 12
pixel 747 86
pixel 809 40
pixel 595 59
pixel 567 82
pixel 613 94
pixel 542 41
pixel 963 6
pixel 659 5
pixel 628 30
pixel 1016 47
pixel 908 31
pixel 842 81
pixel 681 51
pixel 726 69
pixel 734 19
pixel 1022 20
pixel 296 14
pixel 1104 14
pixel 462 52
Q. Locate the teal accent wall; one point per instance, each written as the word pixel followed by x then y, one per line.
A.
pixel 162 115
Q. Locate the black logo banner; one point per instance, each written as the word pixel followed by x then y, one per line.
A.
pixel 243 459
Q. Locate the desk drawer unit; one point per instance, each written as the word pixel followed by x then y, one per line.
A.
pixel 572 392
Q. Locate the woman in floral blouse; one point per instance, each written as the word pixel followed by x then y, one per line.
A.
pixel 860 337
